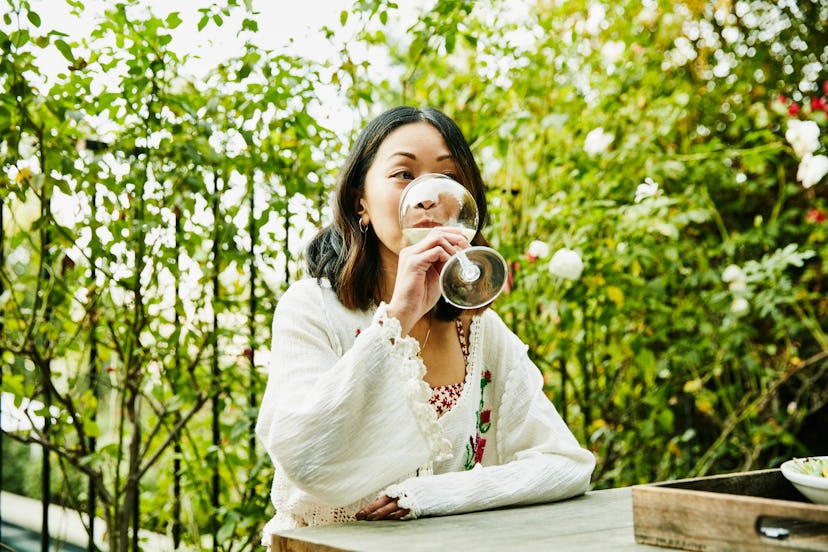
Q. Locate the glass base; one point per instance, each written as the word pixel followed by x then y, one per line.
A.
pixel 467 293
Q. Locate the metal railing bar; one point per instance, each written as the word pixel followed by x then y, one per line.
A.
pixel 214 497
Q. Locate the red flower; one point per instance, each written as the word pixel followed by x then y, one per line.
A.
pixel 793 110
pixel 485 416
pixel 817 104
pixel 825 87
pixel 478 452
pixel 487 375
pixel 815 216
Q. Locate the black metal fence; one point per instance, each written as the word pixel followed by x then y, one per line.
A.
pixel 236 495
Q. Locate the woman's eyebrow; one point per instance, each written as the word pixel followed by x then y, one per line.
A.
pixel 410 155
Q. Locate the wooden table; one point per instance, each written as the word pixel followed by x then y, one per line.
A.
pixel 599 521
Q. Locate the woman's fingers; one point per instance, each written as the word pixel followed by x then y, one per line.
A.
pixel 382 508
pixel 446 237
pixel 398 514
pixel 417 287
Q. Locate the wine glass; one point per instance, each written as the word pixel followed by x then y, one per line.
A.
pixel 473 277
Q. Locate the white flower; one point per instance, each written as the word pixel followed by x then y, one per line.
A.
pixel 65 208
pixel 735 277
pixel 648 16
pixel 803 136
pixel 19 256
pixel 596 19
pixel 648 188
pixel 104 235
pixel 739 306
pixel 612 51
pixel 811 169
pixel 733 272
pixel 27 147
pixel 597 141
pixel 537 250
pixel 24 214
pixel 77 308
pixel 566 263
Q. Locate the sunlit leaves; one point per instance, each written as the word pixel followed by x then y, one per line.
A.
pixel 644 354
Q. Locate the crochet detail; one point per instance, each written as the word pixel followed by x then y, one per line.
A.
pixel 316 515
pixel 418 393
pixel 404 501
pixel 304 515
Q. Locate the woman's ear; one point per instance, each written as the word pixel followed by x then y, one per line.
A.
pixel 362 211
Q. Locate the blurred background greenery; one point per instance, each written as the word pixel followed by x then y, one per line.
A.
pixel 152 216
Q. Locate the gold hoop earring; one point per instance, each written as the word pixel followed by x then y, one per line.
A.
pixel 362 227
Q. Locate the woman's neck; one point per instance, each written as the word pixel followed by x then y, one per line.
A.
pixel 388 275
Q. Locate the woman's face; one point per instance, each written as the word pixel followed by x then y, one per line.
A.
pixel 408 152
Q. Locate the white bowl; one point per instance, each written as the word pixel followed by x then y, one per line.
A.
pixel 812 486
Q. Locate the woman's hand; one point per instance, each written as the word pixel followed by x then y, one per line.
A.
pixel 382 508
pixel 417 287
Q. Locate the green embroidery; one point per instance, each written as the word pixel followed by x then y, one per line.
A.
pixel 477 444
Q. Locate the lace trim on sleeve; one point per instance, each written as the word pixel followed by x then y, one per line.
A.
pixel 418 392
pixel 404 501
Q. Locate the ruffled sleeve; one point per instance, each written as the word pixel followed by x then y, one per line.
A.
pixel 343 424
pixel 536 459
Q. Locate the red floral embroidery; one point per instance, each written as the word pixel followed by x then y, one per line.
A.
pixel 478 453
pixel 477 444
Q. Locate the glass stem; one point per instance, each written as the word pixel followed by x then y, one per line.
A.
pixel 469 272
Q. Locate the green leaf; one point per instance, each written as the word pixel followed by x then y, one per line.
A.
pixel 203 22
pixel 451 42
pixel 34 19
pixel 343 17
pixel 173 20
pixel 65 49
pixel 250 25
pixel 19 37
pixel 91 428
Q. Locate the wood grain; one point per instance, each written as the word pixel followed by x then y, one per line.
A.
pixel 599 521
pixel 728 513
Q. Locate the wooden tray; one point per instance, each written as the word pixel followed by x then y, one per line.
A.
pixel 748 511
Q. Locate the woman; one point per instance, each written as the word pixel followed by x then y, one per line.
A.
pixel 384 402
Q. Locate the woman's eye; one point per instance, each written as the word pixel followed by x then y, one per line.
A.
pixel 405 175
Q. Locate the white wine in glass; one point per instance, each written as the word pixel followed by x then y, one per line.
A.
pixel 472 277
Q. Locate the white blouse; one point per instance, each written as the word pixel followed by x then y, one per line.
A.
pixel 346 418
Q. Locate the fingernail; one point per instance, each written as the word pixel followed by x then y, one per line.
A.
pixel 360 516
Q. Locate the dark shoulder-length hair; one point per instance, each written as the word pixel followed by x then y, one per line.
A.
pixel 349 258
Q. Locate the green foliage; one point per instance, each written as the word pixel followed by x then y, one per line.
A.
pixel 659 365
pixel 137 210
pixel 151 220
